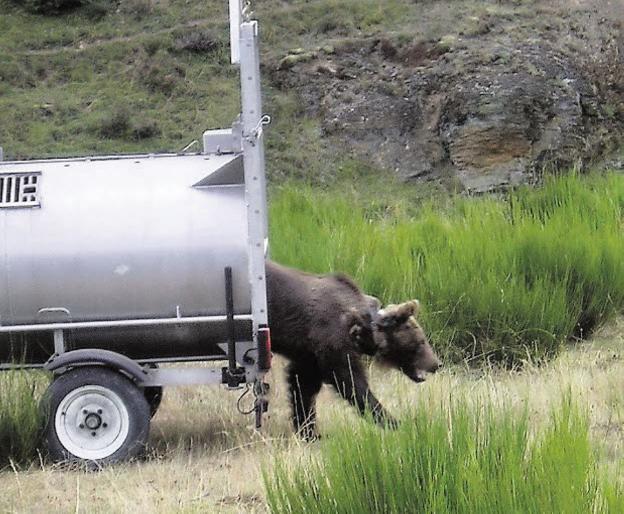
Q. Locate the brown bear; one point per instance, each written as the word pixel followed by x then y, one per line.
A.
pixel 323 324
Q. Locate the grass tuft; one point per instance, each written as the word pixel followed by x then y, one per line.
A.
pixel 20 417
pixel 467 456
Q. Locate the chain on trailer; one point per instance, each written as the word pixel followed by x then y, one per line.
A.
pixel 260 390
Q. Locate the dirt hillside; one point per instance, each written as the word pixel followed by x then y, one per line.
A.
pixel 501 91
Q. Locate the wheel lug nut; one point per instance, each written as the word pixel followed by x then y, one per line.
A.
pixel 104 425
pixel 99 411
pixel 85 411
pixel 93 434
pixel 81 425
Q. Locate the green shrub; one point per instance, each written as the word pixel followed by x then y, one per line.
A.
pixel 158 73
pixel 198 41
pixel 145 129
pixel 484 458
pixel 137 9
pixel 20 418
pixel 115 125
pixel 504 280
pixel 48 6
pixel 93 8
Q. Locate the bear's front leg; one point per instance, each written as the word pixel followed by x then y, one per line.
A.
pixel 349 378
pixel 304 381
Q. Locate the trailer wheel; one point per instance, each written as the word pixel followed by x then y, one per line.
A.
pixel 95 415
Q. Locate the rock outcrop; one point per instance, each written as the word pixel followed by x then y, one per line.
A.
pixel 491 108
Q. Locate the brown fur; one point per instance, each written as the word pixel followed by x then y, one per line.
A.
pixel 323 324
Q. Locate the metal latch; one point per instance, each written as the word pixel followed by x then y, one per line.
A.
pixel 233 379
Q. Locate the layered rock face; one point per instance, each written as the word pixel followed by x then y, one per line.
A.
pixel 489 108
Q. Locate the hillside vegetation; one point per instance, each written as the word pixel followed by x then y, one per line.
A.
pixel 473 94
pixel 151 76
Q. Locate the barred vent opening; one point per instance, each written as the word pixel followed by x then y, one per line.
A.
pixel 20 189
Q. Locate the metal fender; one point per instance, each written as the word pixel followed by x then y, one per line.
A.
pixel 96 357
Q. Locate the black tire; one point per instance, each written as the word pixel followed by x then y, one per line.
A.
pixel 92 395
pixel 154 396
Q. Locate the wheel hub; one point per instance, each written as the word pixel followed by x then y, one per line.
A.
pixel 93 421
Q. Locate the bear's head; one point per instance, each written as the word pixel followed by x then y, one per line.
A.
pixel 394 337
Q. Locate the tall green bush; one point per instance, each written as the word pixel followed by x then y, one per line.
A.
pixel 20 418
pixel 500 279
pixel 48 6
pixel 93 8
pixel 483 458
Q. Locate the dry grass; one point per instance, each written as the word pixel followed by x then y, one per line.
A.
pixel 205 457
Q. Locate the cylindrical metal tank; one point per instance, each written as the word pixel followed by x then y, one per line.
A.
pixel 121 238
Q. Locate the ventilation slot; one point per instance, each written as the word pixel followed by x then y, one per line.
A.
pixel 20 190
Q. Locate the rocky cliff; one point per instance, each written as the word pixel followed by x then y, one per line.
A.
pixel 493 102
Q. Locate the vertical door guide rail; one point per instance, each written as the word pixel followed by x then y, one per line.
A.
pixel 255 196
pixel 255 180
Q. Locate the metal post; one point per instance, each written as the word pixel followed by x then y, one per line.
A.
pixel 59 342
pixel 229 310
pixel 255 181
pixel 236 10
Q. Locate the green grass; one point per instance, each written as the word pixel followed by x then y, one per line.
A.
pixel 63 77
pixel 470 456
pixel 503 279
pixel 20 418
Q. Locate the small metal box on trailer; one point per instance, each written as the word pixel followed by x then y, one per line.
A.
pixel 114 265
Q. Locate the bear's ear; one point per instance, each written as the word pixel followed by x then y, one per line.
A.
pixel 414 306
pixel 394 315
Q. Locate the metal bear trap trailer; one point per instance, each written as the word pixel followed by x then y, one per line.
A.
pixel 113 265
